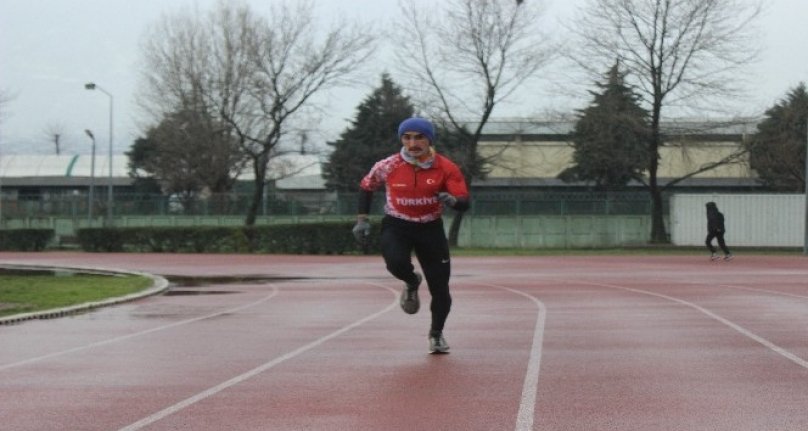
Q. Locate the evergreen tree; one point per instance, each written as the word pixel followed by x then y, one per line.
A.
pixel 610 137
pixel 371 137
pixel 777 151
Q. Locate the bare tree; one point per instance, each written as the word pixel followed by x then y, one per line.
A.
pixel 187 155
pixel 189 147
pixel 675 51
pixel 468 56
pixel 55 132
pixel 257 75
pixel 5 98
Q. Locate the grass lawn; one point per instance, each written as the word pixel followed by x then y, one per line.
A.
pixel 41 290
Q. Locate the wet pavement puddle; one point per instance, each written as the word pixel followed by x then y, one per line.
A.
pixel 179 284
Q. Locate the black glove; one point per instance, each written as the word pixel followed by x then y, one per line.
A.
pixel 361 231
pixel 447 199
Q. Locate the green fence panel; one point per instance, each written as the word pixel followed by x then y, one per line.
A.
pixel 553 231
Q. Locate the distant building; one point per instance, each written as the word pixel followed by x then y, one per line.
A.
pixel 530 154
pixel 48 176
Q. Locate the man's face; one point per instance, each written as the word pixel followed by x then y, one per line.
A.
pixel 416 143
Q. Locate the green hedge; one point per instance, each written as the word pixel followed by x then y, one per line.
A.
pixel 312 238
pixel 25 239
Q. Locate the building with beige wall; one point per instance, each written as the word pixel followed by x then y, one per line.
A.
pixel 540 150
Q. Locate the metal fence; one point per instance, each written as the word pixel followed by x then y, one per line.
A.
pixel 560 203
pixel 318 203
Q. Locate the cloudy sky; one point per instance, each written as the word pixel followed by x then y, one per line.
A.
pixel 50 48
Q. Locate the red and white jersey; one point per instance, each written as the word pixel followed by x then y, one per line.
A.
pixel 412 191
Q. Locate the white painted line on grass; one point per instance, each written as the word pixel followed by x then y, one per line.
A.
pixel 257 370
pixel 530 387
pixel 768 344
pixel 138 334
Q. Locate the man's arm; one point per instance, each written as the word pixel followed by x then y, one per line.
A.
pixel 365 199
pixel 362 228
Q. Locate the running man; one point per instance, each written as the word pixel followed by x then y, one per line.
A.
pixel 418 183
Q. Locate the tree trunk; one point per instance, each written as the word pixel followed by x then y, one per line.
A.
pixel 260 169
pixel 658 234
pixel 255 203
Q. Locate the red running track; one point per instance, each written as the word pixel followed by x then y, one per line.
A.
pixel 542 343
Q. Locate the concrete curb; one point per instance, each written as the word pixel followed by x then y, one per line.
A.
pixel 159 285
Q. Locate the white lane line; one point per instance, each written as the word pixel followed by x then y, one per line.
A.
pixel 530 387
pixel 138 334
pixel 768 344
pixel 730 286
pixel 257 370
pixel 755 289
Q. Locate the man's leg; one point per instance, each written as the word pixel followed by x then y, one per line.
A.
pixel 397 244
pixel 722 244
pixel 709 242
pixel 397 250
pixel 432 251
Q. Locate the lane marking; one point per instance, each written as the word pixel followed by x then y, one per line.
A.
pixel 766 343
pixel 530 387
pixel 734 286
pixel 259 369
pixel 730 286
pixel 138 334
pixel 754 289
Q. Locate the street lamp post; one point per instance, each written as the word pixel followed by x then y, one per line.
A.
pixel 90 199
pixel 93 86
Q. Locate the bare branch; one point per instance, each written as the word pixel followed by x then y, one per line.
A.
pixel 256 75
pixel 673 50
pixel 478 54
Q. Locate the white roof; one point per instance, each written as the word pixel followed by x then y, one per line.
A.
pixel 290 171
pixel 64 165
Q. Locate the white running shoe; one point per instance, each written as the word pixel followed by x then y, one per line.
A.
pixel 437 344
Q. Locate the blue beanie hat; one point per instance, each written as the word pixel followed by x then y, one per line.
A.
pixel 419 125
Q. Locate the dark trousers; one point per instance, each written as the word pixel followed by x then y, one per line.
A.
pixel 399 239
pixel 720 237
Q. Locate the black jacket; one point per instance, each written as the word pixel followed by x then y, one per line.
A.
pixel 715 220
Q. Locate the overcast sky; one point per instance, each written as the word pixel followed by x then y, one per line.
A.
pixel 50 48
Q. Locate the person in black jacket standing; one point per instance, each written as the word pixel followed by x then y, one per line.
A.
pixel 715 229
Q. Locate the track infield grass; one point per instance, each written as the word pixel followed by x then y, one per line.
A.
pixel 38 292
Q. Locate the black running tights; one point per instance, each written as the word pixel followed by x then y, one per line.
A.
pixel 399 239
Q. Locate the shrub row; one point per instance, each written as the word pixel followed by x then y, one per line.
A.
pixel 25 239
pixel 313 238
